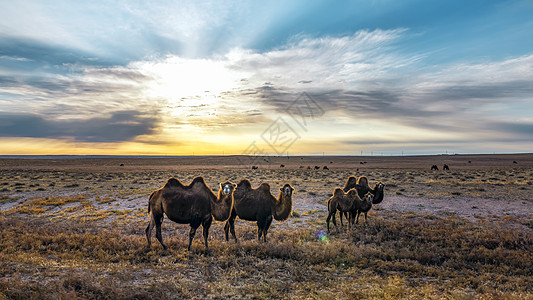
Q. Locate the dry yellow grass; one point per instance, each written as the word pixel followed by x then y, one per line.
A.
pixel 83 236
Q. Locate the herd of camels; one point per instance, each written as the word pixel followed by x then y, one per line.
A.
pixel 196 204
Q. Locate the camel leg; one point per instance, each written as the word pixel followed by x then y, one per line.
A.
pixel 230 226
pixel 327 220
pixel 259 233
pixel 267 225
pixel 365 217
pixel 260 227
pixel 352 220
pixel 226 230
pixel 334 220
pixel 192 232
pixel 357 221
pixel 158 220
pixel 340 216
pixel 206 224
pixel 232 230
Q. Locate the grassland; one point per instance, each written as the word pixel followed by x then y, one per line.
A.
pixel 75 229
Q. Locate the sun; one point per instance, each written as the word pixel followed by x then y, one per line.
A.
pixel 181 78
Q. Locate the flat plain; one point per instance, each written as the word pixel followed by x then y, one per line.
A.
pixel 75 228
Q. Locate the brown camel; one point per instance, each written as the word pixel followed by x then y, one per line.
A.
pixel 341 201
pixel 259 205
pixel 360 184
pixel 378 192
pixel 195 204
pixel 363 205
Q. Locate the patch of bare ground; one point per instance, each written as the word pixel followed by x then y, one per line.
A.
pixel 75 229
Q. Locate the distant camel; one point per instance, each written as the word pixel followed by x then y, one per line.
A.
pixel 362 206
pixel 195 204
pixel 325 168
pixel 317 168
pixel 282 166
pixel 515 162
pixel 445 167
pixel 434 167
pixel 362 187
pixel 343 202
pixel 255 167
pixel 259 205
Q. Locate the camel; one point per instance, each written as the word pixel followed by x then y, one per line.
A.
pixel 378 192
pixel 195 204
pixel 363 206
pixel 259 205
pixel 343 202
pixel 360 184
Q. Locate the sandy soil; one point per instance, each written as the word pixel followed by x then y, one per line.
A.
pixel 477 187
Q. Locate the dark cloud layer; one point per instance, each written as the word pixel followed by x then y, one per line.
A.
pixel 39 54
pixel 120 126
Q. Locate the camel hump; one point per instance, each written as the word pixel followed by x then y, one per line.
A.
pixel 350 183
pixel 198 179
pixel 337 192
pixel 264 187
pixel 363 181
pixel 244 183
pixel 173 182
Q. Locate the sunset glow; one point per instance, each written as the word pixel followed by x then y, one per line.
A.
pixel 213 78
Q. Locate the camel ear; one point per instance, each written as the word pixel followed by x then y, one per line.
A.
pixel 281 189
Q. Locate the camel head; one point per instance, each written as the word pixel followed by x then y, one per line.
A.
pixel 227 188
pixel 379 186
pixel 286 190
pixel 368 197
pixel 283 205
pixel 221 208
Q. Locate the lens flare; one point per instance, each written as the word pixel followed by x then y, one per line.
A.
pixel 321 235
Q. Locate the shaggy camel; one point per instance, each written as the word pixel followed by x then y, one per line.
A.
pixel 363 206
pixel 378 192
pixel 195 204
pixel 259 205
pixel 360 184
pixel 343 202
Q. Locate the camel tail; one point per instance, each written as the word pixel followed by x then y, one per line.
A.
pixel 150 199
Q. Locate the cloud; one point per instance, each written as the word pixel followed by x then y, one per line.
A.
pixel 119 126
pixel 33 55
pixel 355 79
pixel 515 129
pixel 366 76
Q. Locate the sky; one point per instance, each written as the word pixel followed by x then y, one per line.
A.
pixel 369 77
